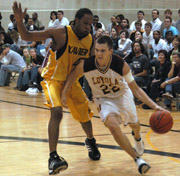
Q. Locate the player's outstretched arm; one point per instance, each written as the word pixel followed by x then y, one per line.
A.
pixel 136 90
pixel 75 73
pixel 25 34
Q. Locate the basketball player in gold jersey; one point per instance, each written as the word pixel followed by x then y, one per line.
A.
pixel 69 46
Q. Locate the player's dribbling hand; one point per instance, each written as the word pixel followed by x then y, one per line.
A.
pixel 159 108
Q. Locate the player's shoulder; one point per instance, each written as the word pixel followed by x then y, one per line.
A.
pixel 89 64
pixel 117 64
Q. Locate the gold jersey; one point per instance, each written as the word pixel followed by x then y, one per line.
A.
pixel 61 62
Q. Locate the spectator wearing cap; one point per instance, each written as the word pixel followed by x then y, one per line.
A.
pixel 168 46
pixel 168 27
pixel 11 62
pixel 178 22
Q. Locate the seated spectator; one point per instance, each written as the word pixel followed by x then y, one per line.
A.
pixel 124 44
pixel 140 64
pixel 1 28
pixel 140 18
pixel 25 73
pixel 167 13
pixel 162 69
pixel 18 42
pixel 119 18
pixel 98 34
pixel 11 24
pixel 13 62
pixel 125 25
pixel 37 22
pixel 156 22
pixel 4 39
pixel 157 45
pixel 168 27
pixel 94 26
pixel 168 46
pixel 26 17
pixel 30 25
pixel 148 38
pixel 106 33
pixel 115 38
pixel 172 83
pixel 61 20
pixel 53 17
pixel 138 26
pixel 36 62
pixel 139 37
pixel 112 24
pixel 176 46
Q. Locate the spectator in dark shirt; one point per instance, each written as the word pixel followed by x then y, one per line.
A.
pixel 162 68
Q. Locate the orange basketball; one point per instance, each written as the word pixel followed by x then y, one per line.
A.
pixel 161 122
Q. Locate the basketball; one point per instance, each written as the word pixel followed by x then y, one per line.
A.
pixel 161 122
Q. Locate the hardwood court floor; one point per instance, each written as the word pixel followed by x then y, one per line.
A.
pixel 24 142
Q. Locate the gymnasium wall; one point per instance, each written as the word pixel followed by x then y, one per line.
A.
pixel 104 8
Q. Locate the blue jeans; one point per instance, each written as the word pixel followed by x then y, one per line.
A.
pixel 171 88
pixel 23 79
pixel 5 73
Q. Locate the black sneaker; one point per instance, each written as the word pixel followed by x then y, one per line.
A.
pixel 57 164
pixel 94 153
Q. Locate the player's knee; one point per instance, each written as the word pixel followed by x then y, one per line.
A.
pixel 112 124
pixel 56 113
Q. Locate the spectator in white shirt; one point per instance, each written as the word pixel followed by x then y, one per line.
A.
pixel 156 22
pixel 53 17
pixel 61 21
pixel 112 24
pixel 148 38
pixel 124 44
pixel 157 45
pixel 140 18
pixel 11 24
pixel 168 46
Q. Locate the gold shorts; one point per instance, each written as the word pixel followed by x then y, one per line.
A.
pixel 77 100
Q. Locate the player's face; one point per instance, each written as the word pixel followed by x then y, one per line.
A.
pixel 83 25
pixel 102 52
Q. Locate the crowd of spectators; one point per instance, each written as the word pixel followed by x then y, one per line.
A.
pixel 152 50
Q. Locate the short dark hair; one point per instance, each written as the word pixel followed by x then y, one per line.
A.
pixel 126 33
pixel 164 52
pixel 53 12
pixel 140 11
pixel 105 39
pixel 176 53
pixel 168 11
pixel 60 11
pixel 148 24
pixel 138 23
pixel 169 18
pixel 81 12
pixel 157 32
pixel 156 11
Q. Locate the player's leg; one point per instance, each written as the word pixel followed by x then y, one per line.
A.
pixel 112 124
pixel 52 94
pixel 139 144
pixel 78 105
